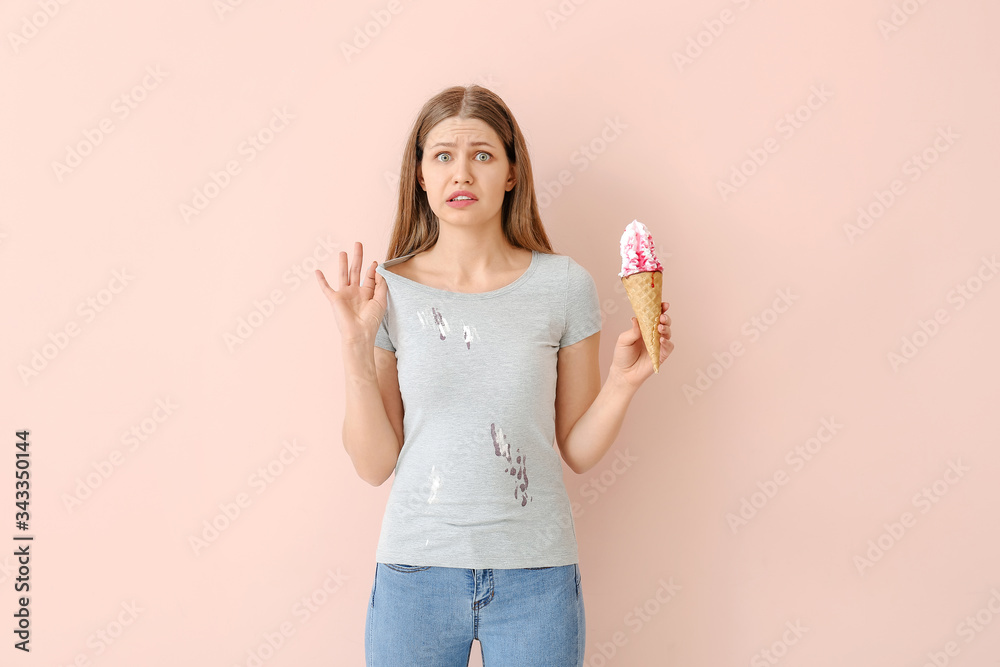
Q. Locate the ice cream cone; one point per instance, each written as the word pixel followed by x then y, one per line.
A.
pixel 645 293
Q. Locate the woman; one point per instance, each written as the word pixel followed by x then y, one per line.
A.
pixel 491 340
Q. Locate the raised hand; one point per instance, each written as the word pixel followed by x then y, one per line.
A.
pixel 358 305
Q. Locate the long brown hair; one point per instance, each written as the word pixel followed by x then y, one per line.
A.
pixel 416 226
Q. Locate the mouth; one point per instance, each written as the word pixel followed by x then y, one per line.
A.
pixel 461 196
pixel 460 202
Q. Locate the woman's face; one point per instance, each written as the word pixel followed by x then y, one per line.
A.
pixel 465 154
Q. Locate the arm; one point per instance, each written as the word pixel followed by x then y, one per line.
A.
pixel 373 418
pixel 588 415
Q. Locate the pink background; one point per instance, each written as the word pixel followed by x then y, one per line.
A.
pixel 662 132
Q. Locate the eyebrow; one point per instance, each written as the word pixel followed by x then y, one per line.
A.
pixel 452 145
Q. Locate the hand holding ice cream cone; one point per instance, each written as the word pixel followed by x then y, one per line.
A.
pixel 632 362
pixel 640 351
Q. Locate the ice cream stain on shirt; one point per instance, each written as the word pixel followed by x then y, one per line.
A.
pixel 435 484
pixel 519 471
pixel 436 319
pixel 469 332
pixel 440 321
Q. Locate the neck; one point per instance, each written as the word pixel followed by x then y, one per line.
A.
pixel 469 254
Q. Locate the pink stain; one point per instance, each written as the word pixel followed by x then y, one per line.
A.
pixel 520 472
pixel 439 320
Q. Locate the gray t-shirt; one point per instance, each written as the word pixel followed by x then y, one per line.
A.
pixel 478 483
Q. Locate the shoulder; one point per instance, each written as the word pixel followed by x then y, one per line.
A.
pixel 556 263
pixel 398 266
pixel 577 274
pixel 566 269
pixel 570 282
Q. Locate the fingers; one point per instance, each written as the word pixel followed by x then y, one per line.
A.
pixel 381 290
pixel 664 326
pixel 350 274
pixel 369 275
pixel 632 334
pixel 666 345
pixel 356 266
pixel 343 270
pixel 373 276
pixel 322 281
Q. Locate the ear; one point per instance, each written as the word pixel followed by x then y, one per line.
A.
pixel 511 179
pixel 420 177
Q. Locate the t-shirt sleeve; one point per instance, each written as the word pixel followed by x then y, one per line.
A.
pixel 583 307
pixel 382 335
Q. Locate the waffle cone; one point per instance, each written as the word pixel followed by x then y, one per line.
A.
pixel 645 293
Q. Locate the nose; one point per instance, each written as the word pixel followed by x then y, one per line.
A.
pixel 462 172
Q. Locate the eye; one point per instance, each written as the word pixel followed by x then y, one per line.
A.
pixel 438 157
pixel 488 156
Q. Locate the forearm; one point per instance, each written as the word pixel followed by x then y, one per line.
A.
pixel 368 435
pixel 594 432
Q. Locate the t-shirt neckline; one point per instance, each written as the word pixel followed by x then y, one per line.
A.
pixel 464 295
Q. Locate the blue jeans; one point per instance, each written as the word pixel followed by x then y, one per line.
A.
pixel 421 616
